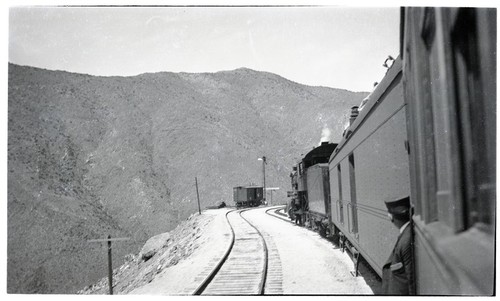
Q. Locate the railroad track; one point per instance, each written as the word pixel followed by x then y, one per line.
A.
pixel 244 267
pixel 251 264
pixel 277 214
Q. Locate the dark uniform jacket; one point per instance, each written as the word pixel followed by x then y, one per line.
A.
pixel 397 272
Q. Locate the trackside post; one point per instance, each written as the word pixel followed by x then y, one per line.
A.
pixel 110 265
pixel 197 194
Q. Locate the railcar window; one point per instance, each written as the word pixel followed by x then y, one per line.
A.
pixel 464 74
pixel 476 178
pixel 354 209
pixel 453 121
pixel 411 90
pixel 443 119
pixel 328 197
pixel 412 121
pixel 443 200
pixel 425 111
pixel 346 193
pixel 341 206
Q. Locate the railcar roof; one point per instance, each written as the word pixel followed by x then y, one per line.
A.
pixel 373 99
pixel 248 186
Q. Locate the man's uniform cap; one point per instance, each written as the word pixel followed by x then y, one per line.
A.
pixel 399 206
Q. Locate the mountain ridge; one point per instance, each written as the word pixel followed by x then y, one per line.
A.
pixel 182 72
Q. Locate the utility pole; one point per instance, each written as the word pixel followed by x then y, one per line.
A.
pixel 110 267
pixel 197 195
pixel 263 159
pixel 272 189
pixel 110 264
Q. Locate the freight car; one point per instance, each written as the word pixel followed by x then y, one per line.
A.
pixel 427 131
pixel 247 196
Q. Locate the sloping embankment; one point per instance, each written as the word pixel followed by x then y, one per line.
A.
pixel 173 263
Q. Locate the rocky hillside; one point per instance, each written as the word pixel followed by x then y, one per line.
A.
pixel 161 252
pixel 90 156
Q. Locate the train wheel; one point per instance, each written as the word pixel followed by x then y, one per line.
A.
pixel 335 235
pixel 322 231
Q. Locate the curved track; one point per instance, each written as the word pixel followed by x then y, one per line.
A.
pixel 243 268
pixel 276 214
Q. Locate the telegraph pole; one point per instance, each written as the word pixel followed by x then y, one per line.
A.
pixel 263 159
pixel 197 194
pixel 110 265
pixel 271 189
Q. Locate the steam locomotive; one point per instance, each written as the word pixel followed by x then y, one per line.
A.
pixel 428 131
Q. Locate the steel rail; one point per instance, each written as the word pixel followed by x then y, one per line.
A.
pixel 203 285
pixel 266 256
pixel 230 276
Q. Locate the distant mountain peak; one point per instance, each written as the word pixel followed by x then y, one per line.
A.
pixel 245 69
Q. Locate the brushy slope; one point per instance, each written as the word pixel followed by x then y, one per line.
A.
pixel 90 156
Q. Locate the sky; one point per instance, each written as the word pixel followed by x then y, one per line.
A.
pixel 333 46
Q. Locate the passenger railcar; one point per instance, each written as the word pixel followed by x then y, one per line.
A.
pixel 449 76
pixel 368 167
pixel 247 196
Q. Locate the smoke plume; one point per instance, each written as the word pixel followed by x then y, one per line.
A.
pixel 325 135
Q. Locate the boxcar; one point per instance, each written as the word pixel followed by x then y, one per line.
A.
pixel 370 166
pixel 450 86
pixel 247 196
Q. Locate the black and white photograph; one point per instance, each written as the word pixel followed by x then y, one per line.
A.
pixel 250 149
